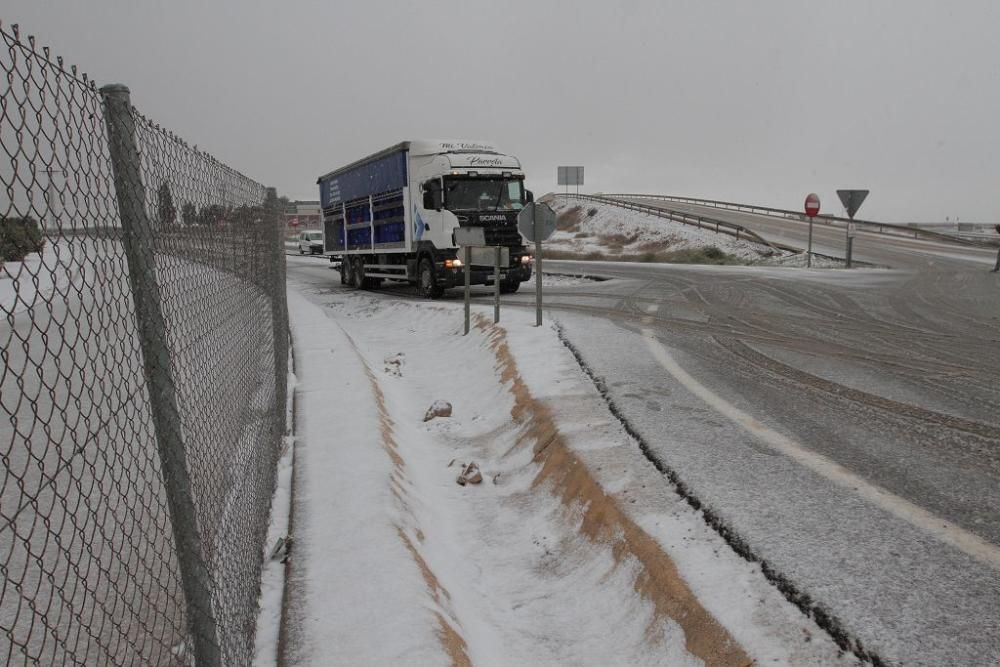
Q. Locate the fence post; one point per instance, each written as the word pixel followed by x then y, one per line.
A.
pixel 138 240
pixel 279 310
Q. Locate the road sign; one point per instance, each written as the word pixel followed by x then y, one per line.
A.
pixel 470 236
pixel 536 221
pixel 812 209
pixel 812 205
pixel 570 175
pixel 851 199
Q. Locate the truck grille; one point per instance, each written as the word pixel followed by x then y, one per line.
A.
pixel 505 236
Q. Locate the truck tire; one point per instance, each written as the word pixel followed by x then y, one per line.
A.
pixel 358 273
pixel 509 286
pixel 427 281
pixel 345 271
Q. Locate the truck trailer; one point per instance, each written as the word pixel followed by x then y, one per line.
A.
pixel 393 214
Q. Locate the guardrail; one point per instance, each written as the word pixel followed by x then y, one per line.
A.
pixel 871 225
pixel 699 221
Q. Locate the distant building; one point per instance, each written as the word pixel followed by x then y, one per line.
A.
pixel 301 215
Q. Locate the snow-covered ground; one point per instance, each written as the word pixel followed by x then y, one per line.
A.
pixel 799 260
pixel 587 227
pixel 572 549
pixel 562 280
pixel 277 545
pixel 22 284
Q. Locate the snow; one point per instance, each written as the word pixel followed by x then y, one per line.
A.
pixel 565 280
pixel 272 576
pixel 562 555
pixel 27 283
pixel 646 233
pixel 358 596
pixel 799 260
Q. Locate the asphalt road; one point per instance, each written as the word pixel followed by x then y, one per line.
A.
pixel 841 426
pixel 881 249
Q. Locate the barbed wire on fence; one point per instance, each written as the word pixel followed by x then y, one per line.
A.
pixel 143 335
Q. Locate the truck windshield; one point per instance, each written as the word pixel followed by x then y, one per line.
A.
pixel 483 194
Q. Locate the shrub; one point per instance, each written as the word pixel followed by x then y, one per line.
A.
pixel 713 253
pixel 569 220
pixel 591 212
pixel 652 246
pixel 18 238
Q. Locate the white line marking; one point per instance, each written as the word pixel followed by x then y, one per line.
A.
pixel 943 530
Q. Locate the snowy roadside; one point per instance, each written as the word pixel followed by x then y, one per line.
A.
pixel 566 280
pixel 592 228
pixel 572 550
pixel 277 545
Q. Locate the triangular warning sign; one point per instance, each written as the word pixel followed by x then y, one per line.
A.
pixel 851 199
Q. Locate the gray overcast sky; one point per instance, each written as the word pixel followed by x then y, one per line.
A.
pixel 752 101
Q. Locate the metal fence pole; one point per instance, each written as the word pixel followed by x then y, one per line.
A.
pixel 138 241
pixel 279 309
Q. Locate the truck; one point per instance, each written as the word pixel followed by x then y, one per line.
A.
pixel 393 216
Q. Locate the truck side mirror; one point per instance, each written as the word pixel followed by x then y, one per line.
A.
pixel 529 196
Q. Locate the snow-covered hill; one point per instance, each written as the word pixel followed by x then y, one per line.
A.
pixel 591 230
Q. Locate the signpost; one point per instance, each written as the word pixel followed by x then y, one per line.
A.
pixel 474 239
pixel 466 238
pixel 812 210
pixel 536 222
pixel 851 199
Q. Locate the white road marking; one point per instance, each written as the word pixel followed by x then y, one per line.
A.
pixel 952 535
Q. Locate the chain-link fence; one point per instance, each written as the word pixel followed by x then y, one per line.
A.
pixel 143 336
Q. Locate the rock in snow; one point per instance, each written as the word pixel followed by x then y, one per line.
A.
pixel 438 409
pixel 470 475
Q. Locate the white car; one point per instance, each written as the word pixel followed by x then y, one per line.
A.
pixel 311 242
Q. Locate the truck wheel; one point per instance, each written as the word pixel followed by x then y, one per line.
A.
pixel 427 283
pixel 358 273
pixel 345 271
pixel 509 286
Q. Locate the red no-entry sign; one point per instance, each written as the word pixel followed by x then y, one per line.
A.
pixel 812 205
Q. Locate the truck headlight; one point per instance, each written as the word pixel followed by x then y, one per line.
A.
pixel 452 263
pixel 525 259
